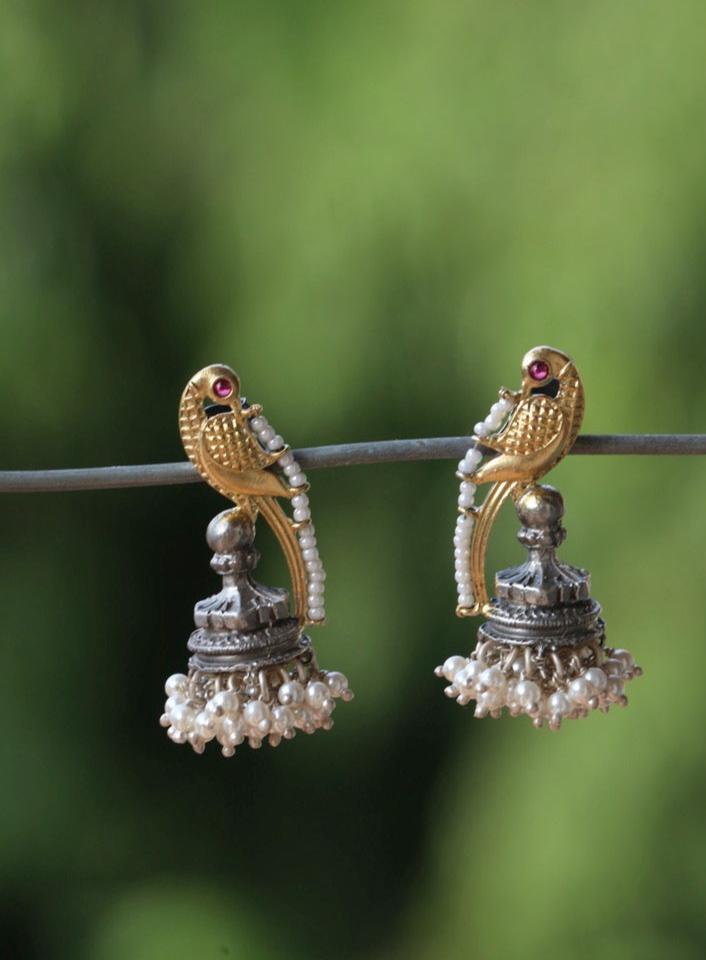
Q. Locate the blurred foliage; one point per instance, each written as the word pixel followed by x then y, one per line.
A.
pixel 371 210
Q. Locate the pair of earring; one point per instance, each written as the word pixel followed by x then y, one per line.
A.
pixel 253 673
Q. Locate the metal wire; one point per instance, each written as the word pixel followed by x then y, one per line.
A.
pixel 338 455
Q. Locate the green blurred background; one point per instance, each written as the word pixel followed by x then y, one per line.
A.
pixel 371 210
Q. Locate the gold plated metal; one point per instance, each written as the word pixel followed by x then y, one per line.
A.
pixel 226 453
pixel 543 424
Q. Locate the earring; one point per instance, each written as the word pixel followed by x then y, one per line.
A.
pixel 253 672
pixel 542 648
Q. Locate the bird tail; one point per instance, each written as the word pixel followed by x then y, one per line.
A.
pixel 497 495
pixel 281 526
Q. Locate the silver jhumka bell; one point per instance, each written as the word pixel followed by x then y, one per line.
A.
pixel 541 651
pixel 252 672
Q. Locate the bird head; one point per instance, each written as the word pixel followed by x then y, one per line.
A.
pixel 543 369
pixel 216 386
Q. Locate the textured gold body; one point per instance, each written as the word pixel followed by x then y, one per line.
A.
pixel 539 433
pixel 227 455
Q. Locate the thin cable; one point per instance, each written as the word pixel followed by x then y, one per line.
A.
pixel 338 455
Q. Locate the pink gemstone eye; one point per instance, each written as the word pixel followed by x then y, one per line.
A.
pixel 539 370
pixel 222 388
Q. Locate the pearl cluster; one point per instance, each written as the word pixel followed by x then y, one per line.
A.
pixel 306 533
pixel 466 498
pixel 273 704
pixel 547 686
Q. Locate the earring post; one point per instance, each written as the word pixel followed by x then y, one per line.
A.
pixel 337 455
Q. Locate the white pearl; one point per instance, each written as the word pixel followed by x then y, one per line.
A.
pixel 480 430
pixel 613 667
pixel 316 588
pixel 266 434
pixel 276 443
pixel 205 726
pixel 283 719
pixel 471 460
pixel 291 469
pixel 301 500
pixel 301 513
pixel 466 677
pixel 465 500
pixel 257 714
pixel 182 718
pixel 492 699
pixel 626 658
pixel 177 683
pixel 226 701
pixel 527 692
pixel 337 682
pixel 258 424
pixel 174 701
pixel 233 730
pixel 310 553
pixel 493 679
pixel 579 690
pixel 596 678
pixel 558 704
pixel 316 693
pixel 286 459
pixel 327 708
pixel 465 600
pixel 306 542
pixel 313 565
pixel 291 693
pixel 615 687
pixel 316 613
pixel 451 666
pixel 297 480
pixel 317 576
pixel 178 736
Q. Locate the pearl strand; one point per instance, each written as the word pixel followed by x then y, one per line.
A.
pixel 466 499
pixel 271 441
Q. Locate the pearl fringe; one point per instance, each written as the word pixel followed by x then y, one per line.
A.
pixel 272 704
pixel 306 534
pixel 547 687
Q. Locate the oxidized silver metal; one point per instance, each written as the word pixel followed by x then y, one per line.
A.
pixel 246 625
pixel 543 602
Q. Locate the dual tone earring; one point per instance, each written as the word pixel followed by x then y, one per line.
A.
pixel 253 672
pixel 541 650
